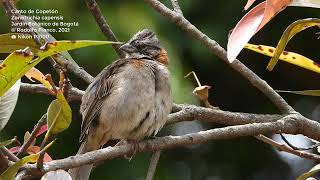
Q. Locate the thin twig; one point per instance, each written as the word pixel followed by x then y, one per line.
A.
pixel 4 162
pixel 216 49
pixel 283 147
pixel 103 25
pixel 75 69
pixel 45 142
pixel 195 77
pixel 74 93
pixel 153 165
pixel 33 134
pixel 9 154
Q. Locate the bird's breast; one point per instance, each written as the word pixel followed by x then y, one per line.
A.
pixel 139 103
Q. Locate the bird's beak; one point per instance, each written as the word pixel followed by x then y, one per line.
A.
pixel 127 48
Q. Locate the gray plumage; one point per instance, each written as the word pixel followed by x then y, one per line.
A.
pixel 129 100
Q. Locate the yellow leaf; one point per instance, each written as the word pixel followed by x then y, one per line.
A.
pixel 290 57
pixel 14 67
pixel 34 73
pixel 310 173
pixel 304 92
pixel 59 115
pixel 52 48
pixel 21 61
pixel 13 41
pixel 291 30
pixel 11 172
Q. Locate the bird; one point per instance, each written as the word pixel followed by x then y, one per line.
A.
pixel 129 99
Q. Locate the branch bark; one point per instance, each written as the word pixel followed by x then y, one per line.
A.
pixel 33 135
pixel 285 148
pixel 74 95
pixel 153 165
pixel 287 124
pixel 103 25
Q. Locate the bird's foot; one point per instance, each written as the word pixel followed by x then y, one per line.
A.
pixel 133 150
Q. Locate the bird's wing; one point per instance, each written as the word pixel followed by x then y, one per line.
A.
pixel 96 92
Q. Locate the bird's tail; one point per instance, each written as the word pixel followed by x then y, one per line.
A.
pixel 82 172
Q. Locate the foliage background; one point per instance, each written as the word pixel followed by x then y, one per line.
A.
pixel 244 158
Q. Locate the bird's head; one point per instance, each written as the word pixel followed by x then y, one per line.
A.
pixel 143 43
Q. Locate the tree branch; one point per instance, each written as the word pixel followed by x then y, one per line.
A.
pixel 192 112
pixel 4 162
pixel 9 154
pixel 285 148
pixel 103 25
pixel 286 125
pixel 176 7
pixel 33 135
pixel 74 95
pixel 153 165
pixel 216 49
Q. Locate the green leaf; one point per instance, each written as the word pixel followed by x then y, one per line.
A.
pixel 14 67
pixel 310 173
pixel 21 61
pixel 52 48
pixel 11 172
pixel 47 37
pixel 8 142
pixel 13 41
pixel 59 115
pixel 305 92
pixel 291 30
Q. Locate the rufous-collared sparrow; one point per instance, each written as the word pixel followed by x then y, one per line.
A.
pixel 129 100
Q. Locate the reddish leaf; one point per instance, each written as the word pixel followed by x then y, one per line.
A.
pixel 244 30
pixel 35 150
pixel 248 5
pixel 273 7
pixel 34 73
pixel 14 149
pixel 32 150
pixel 42 130
pixel 251 23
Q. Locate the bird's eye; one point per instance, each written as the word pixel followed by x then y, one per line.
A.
pixel 137 43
